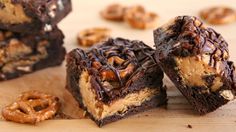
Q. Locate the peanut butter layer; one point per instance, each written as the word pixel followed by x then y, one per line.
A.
pixel 13 13
pixel 99 110
pixel 194 70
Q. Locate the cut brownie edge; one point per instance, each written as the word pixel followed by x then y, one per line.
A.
pixel 156 99
pixel 154 102
pixel 202 103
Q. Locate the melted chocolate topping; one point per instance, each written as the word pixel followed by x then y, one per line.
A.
pixel 134 53
pixel 187 36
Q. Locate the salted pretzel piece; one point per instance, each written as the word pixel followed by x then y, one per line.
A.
pixel 127 71
pixel 110 75
pixel 115 59
pixel 138 17
pixel 32 107
pixel 89 37
pixel 97 65
pixel 113 12
pixel 218 15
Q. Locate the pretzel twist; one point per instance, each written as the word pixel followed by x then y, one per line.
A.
pixel 32 107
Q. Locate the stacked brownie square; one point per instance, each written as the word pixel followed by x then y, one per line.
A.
pixel 29 37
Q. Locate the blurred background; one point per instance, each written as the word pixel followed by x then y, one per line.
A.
pixel 86 15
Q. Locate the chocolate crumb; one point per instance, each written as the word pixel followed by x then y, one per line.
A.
pixel 189 126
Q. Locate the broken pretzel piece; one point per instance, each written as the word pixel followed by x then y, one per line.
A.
pixel 32 107
pixel 114 12
pixel 218 15
pixel 89 37
pixel 138 17
pixel 122 72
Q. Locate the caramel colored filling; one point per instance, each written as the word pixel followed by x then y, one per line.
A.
pixel 13 13
pixel 16 56
pixel 193 70
pixel 99 110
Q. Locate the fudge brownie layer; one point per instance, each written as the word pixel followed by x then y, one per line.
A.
pixel 196 59
pixel 116 79
pixel 32 15
pixel 21 54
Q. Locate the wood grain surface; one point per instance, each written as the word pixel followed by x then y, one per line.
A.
pixel 175 117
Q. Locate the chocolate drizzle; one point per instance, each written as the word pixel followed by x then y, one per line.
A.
pixel 132 52
pixel 122 62
pixel 188 36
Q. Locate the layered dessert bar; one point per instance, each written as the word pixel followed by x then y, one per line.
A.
pixel 32 15
pixel 115 79
pixel 196 59
pixel 21 54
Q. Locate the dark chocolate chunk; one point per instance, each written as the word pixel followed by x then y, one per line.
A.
pixel 189 126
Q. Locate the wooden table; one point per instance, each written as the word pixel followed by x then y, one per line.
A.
pixel 176 117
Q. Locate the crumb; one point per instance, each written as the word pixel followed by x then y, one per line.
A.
pixel 189 126
pixel 146 115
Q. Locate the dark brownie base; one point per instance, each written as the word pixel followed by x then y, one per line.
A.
pixel 147 105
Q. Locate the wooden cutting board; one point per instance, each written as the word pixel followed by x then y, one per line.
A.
pixel 178 114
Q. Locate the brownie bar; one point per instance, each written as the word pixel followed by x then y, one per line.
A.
pixel 21 54
pixel 115 79
pixel 196 59
pixel 31 16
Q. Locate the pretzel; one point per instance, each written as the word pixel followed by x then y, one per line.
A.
pixel 97 65
pixel 137 17
pixel 115 59
pixel 110 75
pixel 32 107
pixel 113 12
pixel 218 15
pixel 92 36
